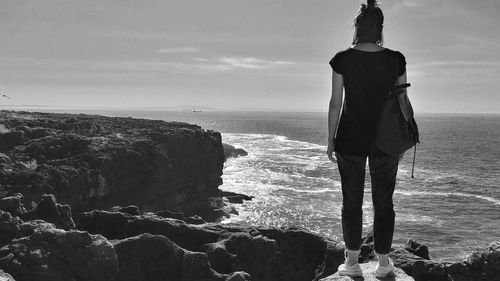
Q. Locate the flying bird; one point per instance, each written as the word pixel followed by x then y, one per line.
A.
pixel 5 96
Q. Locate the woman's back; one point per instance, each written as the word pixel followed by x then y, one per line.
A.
pixel 368 76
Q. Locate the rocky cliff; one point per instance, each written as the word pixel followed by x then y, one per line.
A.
pixel 91 162
pixel 123 244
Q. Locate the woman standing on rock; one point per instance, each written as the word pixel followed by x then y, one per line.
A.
pixel 367 72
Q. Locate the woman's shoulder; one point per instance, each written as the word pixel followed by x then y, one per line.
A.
pixel 339 56
pixel 396 53
pixel 400 59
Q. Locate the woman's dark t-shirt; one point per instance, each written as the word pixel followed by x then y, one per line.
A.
pixel 368 78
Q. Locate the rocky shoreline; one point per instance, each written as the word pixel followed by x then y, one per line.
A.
pixel 87 197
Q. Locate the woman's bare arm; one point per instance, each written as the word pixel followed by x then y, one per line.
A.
pixel 334 111
pixel 402 79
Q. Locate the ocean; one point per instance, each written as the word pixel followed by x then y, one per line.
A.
pixel 452 205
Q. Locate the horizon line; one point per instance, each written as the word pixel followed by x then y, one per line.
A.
pixel 199 109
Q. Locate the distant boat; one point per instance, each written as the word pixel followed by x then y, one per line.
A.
pixel 194 110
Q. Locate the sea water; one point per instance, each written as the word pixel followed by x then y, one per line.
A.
pixel 452 205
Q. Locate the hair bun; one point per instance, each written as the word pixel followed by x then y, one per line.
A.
pixel 371 4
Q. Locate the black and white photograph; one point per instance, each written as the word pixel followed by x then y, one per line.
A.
pixel 238 140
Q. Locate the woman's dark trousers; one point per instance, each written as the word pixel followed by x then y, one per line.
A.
pixel 383 170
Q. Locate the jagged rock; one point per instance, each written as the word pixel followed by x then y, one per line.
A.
pixel 368 269
pixel 29 227
pixel 150 257
pixel 234 197
pixel 220 259
pixel 367 248
pixel 5 276
pixel 131 210
pixel 368 238
pixel 82 127
pixel 35 132
pixel 265 254
pixel 49 210
pixel 233 152
pixel 4 159
pixel 170 214
pixel 9 227
pixel 305 253
pixel 54 254
pixel 367 253
pixel 255 255
pixel 14 227
pixel 487 261
pixel 479 266
pixel 116 225
pixel 187 236
pixel 13 204
pixel 195 220
pixel 417 249
pixel 195 266
pixel 113 225
pixel 419 268
pixel 11 139
pixel 59 146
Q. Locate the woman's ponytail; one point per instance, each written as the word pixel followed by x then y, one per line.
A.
pixel 370 4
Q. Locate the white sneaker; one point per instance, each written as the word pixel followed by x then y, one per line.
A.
pixel 383 271
pixel 353 270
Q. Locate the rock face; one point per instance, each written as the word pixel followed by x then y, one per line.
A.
pixel 479 266
pixel 149 247
pixel 264 254
pixel 49 210
pixel 419 268
pixel 154 257
pixel 414 260
pixel 33 249
pixel 417 249
pixel 91 161
pixel 233 152
pixel 55 254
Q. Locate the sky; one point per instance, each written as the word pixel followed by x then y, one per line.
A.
pixel 237 54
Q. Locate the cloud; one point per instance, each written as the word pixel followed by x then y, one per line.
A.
pixel 233 63
pixel 459 68
pixel 412 3
pixel 61 69
pixel 458 63
pixel 178 50
pixel 253 63
pixel 397 6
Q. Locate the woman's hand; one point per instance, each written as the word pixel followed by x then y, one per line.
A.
pixel 330 150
